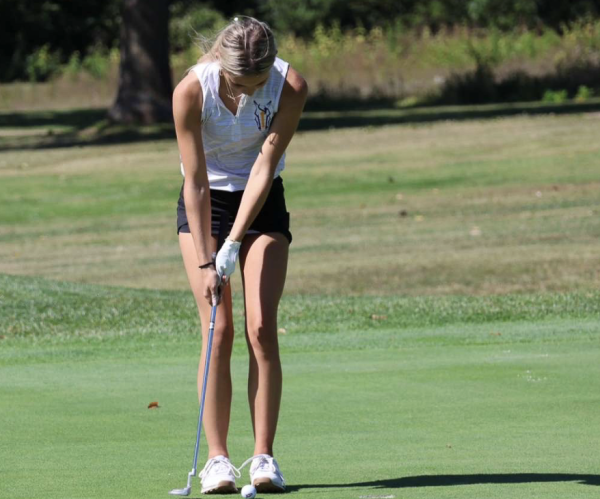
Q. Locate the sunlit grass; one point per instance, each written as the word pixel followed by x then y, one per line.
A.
pixel 423 397
pixel 393 376
pixel 484 207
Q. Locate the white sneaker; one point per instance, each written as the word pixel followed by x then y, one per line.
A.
pixel 218 476
pixel 265 474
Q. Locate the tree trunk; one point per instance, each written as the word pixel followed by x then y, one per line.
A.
pixel 145 86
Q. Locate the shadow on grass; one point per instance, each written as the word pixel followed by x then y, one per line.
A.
pixel 75 118
pixel 380 117
pixel 453 480
pixel 89 127
pixel 74 128
pixel 485 85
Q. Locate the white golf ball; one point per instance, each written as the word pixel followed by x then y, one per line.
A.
pixel 249 491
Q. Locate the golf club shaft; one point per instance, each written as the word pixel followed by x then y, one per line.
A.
pixel 223 225
pixel 211 330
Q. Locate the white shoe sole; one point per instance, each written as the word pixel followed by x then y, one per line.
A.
pixel 222 488
pixel 265 484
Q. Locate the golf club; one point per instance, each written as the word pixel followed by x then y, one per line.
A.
pixel 211 329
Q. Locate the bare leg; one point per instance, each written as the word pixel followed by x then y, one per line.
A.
pixel 218 391
pixel 264 265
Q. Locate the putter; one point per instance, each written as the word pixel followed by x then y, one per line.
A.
pixel 211 329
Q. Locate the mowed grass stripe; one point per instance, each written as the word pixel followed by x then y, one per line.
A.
pixel 51 312
pixel 431 420
pixel 475 207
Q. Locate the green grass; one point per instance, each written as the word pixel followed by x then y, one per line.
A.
pixel 440 320
pixel 448 397
pixel 484 206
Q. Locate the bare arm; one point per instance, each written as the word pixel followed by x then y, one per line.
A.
pixel 187 113
pixel 285 123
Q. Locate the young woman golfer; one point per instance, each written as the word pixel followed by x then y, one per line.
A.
pixel 235 114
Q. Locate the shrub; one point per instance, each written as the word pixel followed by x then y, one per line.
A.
pixel 186 24
pixel 73 66
pixel 97 63
pixel 583 93
pixel 42 64
pixel 555 96
pixel 504 15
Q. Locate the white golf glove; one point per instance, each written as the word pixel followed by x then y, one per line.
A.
pixel 226 258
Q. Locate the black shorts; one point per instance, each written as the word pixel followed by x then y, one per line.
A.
pixel 273 217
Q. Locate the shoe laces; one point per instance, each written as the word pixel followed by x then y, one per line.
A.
pixel 220 464
pixel 264 463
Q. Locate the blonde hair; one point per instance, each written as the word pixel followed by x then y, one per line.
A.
pixel 245 47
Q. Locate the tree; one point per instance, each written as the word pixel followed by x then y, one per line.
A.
pixel 46 33
pixel 145 87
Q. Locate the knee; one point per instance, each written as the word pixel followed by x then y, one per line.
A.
pixel 222 344
pixel 262 338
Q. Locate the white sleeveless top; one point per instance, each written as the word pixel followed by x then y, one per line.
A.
pixel 232 143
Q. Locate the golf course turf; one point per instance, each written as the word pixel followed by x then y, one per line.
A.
pixel 440 332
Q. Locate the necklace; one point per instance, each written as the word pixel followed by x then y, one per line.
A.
pixel 229 92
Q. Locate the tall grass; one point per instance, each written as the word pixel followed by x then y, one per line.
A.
pixel 400 65
pixel 395 63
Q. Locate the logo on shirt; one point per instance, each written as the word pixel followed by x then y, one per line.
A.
pixel 263 115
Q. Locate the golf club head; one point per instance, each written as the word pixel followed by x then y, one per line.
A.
pixel 186 490
pixel 181 492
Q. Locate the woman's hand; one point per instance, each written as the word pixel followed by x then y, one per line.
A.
pixel 212 285
pixel 226 258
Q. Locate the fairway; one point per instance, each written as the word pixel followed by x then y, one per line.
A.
pixel 477 407
pixel 475 207
pixel 439 333
pixel 474 408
